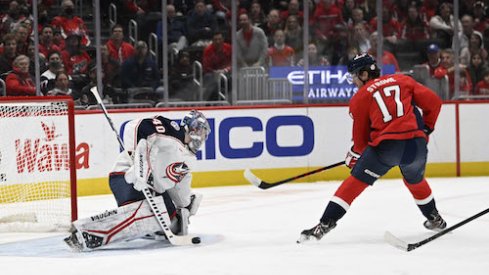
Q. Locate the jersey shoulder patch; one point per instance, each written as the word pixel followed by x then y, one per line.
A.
pixel 177 171
pixel 175 125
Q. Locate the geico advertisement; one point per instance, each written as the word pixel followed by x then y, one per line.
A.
pixel 264 138
pixel 255 138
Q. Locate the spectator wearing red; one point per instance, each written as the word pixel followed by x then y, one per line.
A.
pixel 447 68
pixel 68 23
pixel 9 53
pixel 19 82
pixel 400 8
pixel 119 49
pixel 293 8
pixel 428 9
pixel 58 38
pixel 222 9
pixel 391 28
pixel 326 15
pixel 46 44
pixel 74 58
pixel 387 57
pixel 414 28
pixel 482 87
pixel 280 54
pixel 216 61
pixel 481 21
pixel 217 55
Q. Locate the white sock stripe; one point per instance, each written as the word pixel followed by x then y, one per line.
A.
pixel 340 202
pixel 424 201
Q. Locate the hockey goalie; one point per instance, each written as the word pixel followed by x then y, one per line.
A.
pixel 158 155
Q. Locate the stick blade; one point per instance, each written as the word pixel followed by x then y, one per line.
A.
pixel 252 178
pixel 394 241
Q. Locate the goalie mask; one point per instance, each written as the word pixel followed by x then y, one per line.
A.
pixel 197 128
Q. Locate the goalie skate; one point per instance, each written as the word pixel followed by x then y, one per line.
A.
pixel 73 242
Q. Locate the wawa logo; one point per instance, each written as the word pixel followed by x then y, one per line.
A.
pixel 46 154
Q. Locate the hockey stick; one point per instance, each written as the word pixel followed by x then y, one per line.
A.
pixel 160 211
pixel 265 185
pixel 396 242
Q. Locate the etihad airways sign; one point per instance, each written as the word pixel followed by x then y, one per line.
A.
pixel 326 83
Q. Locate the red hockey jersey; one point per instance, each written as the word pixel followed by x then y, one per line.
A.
pixel 385 108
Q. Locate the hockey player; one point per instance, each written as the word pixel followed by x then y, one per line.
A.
pixel 158 155
pixel 388 131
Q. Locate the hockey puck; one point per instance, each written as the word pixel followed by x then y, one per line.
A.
pixel 196 240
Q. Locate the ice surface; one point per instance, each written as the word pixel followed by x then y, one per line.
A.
pixel 246 230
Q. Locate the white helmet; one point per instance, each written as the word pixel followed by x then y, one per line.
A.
pixel 197 127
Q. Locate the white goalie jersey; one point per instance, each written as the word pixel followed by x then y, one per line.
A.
pixel 157 152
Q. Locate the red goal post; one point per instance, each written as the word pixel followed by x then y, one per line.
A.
pixel 37 164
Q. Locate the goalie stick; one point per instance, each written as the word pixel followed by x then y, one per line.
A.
pixel 160 211
pixel 396 242
pixel 265 185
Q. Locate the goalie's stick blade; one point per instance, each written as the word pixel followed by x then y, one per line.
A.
pixel 252 178
pixel 394 241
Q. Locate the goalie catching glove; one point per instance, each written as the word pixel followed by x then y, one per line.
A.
pixel 351 158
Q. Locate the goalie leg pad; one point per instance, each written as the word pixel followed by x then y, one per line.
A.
pixel 124 223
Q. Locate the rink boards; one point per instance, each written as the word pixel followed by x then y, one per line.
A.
pixel 279 142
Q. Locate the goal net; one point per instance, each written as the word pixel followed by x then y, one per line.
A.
pixel 37 164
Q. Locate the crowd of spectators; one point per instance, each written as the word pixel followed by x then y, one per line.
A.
pixel 270 33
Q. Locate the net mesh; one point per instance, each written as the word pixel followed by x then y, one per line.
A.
pixel 34 166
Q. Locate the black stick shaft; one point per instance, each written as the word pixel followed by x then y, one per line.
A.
pixel 266 185
pixel 441 233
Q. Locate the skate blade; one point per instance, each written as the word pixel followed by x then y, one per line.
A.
pixel 304 238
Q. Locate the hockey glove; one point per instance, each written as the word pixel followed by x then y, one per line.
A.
pixel 351 158
pixel 139 173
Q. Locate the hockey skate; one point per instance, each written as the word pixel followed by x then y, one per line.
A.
pixel 73 242
pixel 317 231
pixel 436 223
